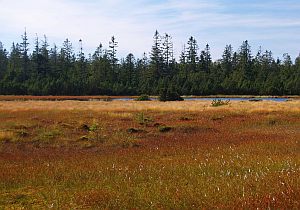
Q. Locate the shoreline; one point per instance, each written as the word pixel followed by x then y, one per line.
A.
pixel 108 98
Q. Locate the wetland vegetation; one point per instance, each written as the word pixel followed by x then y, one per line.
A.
pixel 149 155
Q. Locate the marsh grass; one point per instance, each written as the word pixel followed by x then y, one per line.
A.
pixel 135 106
pixel 164 129
pixel 219 102
pixel 47 135
pixel 239 162
pixel 142 119
pixel 192 129
pixel 6 136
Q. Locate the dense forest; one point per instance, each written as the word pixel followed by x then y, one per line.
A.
pixel 49 70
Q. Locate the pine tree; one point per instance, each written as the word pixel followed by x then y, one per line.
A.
pixel 81 75
pixel 245 75
pixel 130 70
pixel 98 54
pixel 156 57
pixel 14 79
pixel 192 54
pixel 227 60
pixel 112 52
pixel 45 57
pixel 168 55
pixel 205 59
pixel 25 58
pixel 3 61
pixel 287 73
pixel 182 58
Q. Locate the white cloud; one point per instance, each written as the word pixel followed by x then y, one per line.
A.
pixel 134 22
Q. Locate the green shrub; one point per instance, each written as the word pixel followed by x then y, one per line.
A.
pixel 108 99
pixel 169 95
pixel 164 129
pixel 95 131
pixel 94 127
pixel 134 130
pixel 219 102
pixel 22 133
pixel 143 98
pixel 142 119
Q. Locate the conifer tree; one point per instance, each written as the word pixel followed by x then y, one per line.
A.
pixel 112 52
pixel 3 61
pixel 25 58
pixel 156 56
pixel 192 54
pixel 168 55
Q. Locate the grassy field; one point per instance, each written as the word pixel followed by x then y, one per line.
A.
pixel 149 155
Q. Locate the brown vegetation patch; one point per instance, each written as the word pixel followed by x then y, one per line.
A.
pixel 73 157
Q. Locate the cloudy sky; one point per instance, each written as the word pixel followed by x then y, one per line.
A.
pixel 273 24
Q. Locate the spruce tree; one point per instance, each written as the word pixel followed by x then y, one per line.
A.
pixel 192 54
pixel 3 61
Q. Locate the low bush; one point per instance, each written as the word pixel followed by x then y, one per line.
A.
pixel 134 130
pixel 143 98
pixel 142 119
pixel 219 102
pixel 164 129
pixel 169 95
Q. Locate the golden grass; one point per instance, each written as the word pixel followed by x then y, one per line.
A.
pixel 129 106
pixel 6 135
pixel 80 155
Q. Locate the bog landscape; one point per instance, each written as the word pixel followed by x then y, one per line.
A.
pixel 149 155
pixel 65 145
pixel 109 111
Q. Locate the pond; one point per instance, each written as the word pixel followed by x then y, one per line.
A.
pixel 210 99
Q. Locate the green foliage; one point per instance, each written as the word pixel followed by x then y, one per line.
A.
pixel 94 127
pixel 164 129
pixel 45 135
pixel 143 98
pixel 169 94
pixel 22 133
pixel 133 130
pixel 52 71
pixel 95 132
pixel 219 102
pixel 142 119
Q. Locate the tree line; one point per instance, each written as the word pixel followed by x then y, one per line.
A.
pixel 49 70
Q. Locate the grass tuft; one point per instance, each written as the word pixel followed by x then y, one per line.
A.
pixel 219 102
pixel 164 129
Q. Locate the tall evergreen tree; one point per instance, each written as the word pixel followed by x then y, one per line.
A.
pixel 227 60
pixel 168 55
pixel 156 57
pixel 112 52
pixel 25 58
pixel 192 54
pixel 205 59
pixel 3 61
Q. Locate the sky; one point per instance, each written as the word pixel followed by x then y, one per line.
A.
pixel 272 24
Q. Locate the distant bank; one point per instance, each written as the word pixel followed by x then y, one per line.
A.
pixel 129 98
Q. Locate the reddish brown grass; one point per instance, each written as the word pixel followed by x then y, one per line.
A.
pixel 67 156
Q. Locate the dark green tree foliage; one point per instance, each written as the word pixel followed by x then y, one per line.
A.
pixel 156 56
pixel 3 61
pixel 13 82
pixel 169 93
pixel 61 71
pixel 192 54
pixel 25 58
pixel 168 56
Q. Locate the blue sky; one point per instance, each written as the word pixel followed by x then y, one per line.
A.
pixel 272 24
